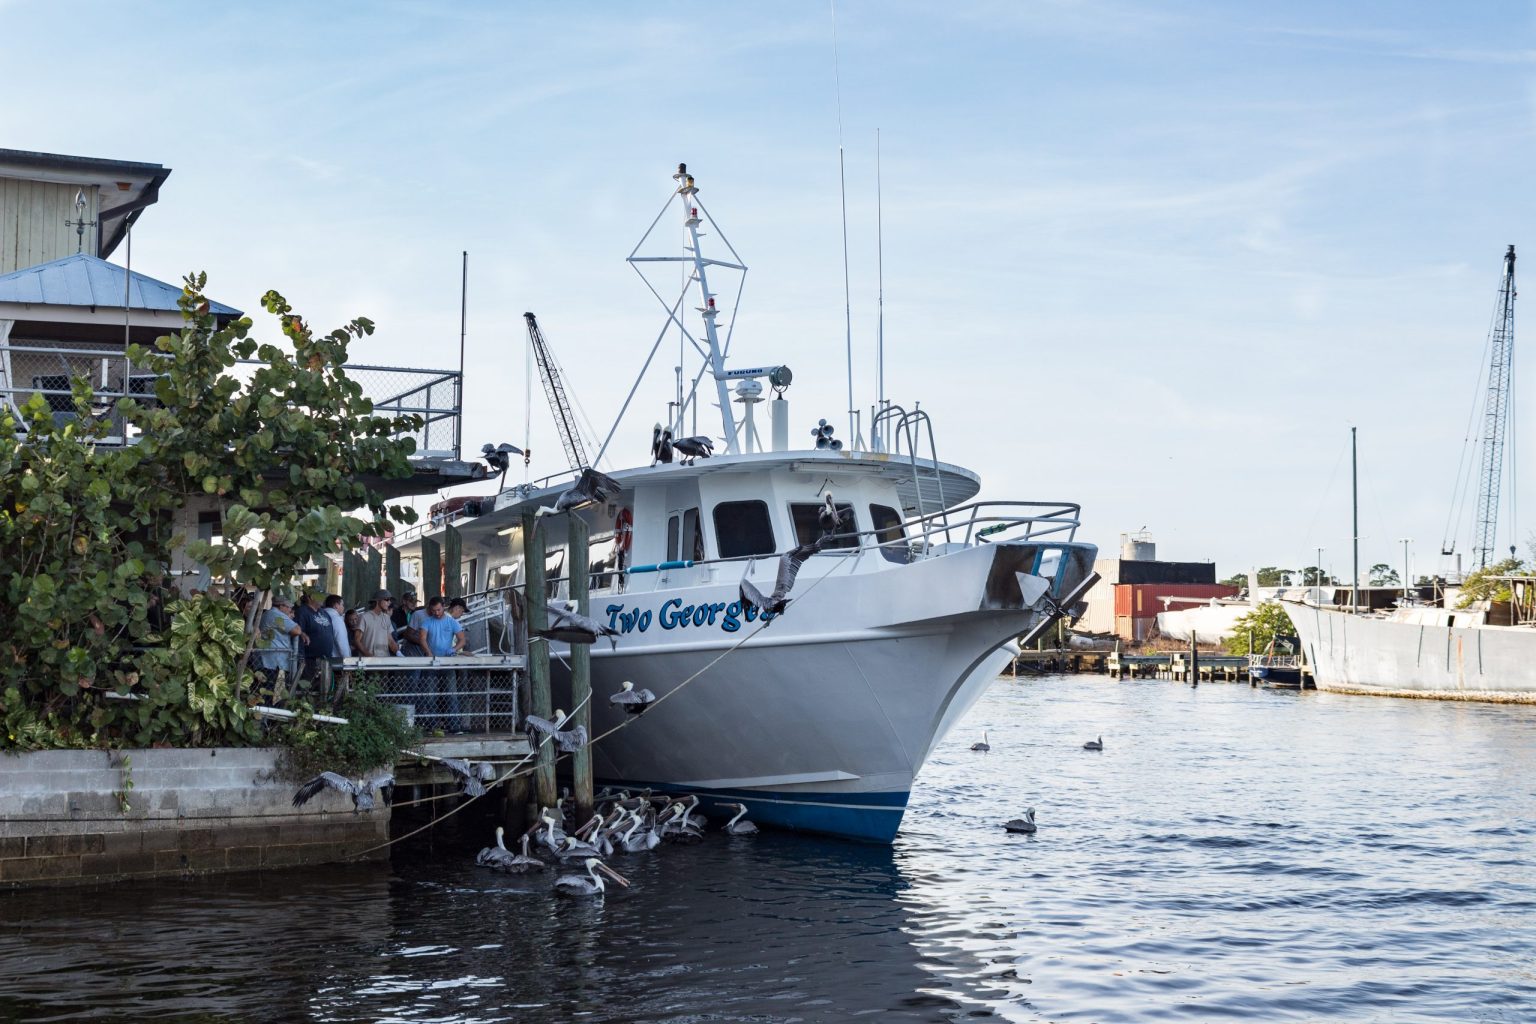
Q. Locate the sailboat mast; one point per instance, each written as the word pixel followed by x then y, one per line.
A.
pixel 1501 343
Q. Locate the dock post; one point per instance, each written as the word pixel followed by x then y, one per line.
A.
pixel 538 653
pixel 1194 660
pixel 581 668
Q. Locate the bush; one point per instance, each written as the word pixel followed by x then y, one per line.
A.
pixel 375 734
pixel 1265 622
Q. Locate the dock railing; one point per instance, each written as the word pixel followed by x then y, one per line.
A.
pixel 457 694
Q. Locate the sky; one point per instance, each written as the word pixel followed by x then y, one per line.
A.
pixel 1153 258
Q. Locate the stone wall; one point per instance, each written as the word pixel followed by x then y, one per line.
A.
pixel 63 821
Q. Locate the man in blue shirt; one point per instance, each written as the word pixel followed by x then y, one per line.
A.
pixel 444 637
pixel 322 640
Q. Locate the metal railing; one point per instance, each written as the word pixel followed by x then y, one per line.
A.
pixel 458 694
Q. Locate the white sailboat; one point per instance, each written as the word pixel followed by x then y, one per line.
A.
pixel 818 717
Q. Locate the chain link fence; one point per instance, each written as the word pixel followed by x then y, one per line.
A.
pixel 461 694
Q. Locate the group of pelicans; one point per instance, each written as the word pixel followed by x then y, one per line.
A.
pixel 1026 824
pixel 622 823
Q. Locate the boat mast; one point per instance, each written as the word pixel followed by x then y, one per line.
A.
pixel 1354 511
pixel 1501 343
pixel 688 190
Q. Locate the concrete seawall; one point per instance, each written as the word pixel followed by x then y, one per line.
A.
pixel 63 821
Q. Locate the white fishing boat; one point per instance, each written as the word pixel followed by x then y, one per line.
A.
pixel 818 717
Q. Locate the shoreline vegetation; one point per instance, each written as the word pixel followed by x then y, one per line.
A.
pixel 277 462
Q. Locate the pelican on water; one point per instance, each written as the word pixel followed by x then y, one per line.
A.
pixel 1025 825
pixel 590 884
pixel 737 827
pixel 983 745
pixel 499 858
pixel 1097 744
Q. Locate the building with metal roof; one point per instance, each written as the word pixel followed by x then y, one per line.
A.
pixel 52 205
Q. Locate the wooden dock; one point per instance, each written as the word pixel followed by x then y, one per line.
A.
pixel 1174 665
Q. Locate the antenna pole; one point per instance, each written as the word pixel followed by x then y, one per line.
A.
pixel 458 421
pixel 1354 504
pixel 842 188
pixel 879 292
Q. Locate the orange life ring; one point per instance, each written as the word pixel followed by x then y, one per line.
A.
pixel 623 530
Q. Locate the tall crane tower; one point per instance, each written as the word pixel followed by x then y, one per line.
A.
pixel 1501 344
pixel 554 390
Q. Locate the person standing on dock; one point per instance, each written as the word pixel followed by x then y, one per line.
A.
pixel 377 628
pixel 444 637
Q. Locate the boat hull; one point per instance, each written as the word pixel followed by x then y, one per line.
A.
pixel 812 729
pixel 1361 654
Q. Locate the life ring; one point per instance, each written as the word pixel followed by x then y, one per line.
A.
pixel 623 530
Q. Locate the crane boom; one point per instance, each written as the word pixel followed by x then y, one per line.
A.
pixel 1501 343
pixel 554 390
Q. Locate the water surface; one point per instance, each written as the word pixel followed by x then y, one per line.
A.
pixel 1231 854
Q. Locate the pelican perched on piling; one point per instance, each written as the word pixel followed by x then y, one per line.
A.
pixel 1024 825
pixel 982 745
pixel 1097 744
pixel 590 884
pixel 499 858
pixel 737 827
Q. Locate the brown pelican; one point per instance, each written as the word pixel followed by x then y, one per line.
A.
pixel 691 448
pixel 590 884
pixel 633 701
pixel 569 740
pixel 638 839
pixel 1097 744
pixel 499 858
pixel 468 775
pixel 591 488
pixel 661 444
pixel 1026 824
pixel 569 626
pixel 736 826
pixel 982 746
pixel 360 790
pixel 553 835
pixel 575 848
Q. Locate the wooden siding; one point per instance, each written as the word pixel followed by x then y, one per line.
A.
pixel 32 222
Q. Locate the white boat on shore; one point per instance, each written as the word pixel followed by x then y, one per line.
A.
pixel 819 717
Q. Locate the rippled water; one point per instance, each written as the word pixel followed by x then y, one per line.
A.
pixel 1232 854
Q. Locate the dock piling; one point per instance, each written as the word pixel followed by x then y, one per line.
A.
pixel 538 653
pixel 581 668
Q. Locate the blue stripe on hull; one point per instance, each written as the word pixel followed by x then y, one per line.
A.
pixel 867 817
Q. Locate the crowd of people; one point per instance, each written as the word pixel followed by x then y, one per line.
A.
pixel 303 642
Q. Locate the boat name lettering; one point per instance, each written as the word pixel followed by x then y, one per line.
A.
pixel 673 614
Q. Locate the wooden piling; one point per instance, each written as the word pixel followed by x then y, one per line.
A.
pixel 1194 660
pixel 581 668
pixel 538 653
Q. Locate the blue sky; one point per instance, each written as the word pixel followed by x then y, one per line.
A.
pixel 1153 258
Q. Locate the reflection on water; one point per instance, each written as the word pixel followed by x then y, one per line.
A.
pixel 1232 853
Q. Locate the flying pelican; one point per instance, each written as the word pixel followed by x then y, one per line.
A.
pixel 569 626
pixel 1097 744
pixel 693 448
pixel 499 457
pixel 589 884
pixel 789 567
pixel 661 444
pixel 590 488
pixel 982 746
pixel 736 826
pixel 499 858
pixel 568 740
pixel 633 701
pixel 468 775
pixel 1026 824
pixel 360 790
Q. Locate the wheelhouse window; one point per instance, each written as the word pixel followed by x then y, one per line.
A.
pixel 889 533
pixel 602 557
pixel 808 526
pixel 684 538
pixel 743 528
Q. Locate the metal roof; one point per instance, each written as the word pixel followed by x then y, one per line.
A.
pixel 127 186
pixel 84 280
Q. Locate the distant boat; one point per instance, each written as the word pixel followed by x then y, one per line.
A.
pixel 1280 664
